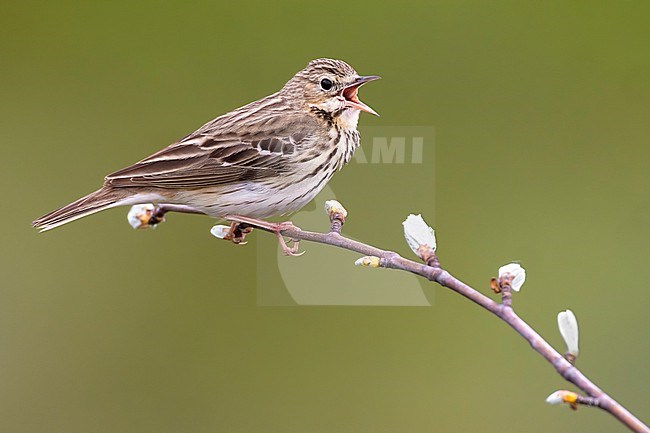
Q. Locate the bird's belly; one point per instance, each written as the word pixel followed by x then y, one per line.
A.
pixel 255 199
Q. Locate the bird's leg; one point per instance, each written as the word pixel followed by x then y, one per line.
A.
pixel 261 224
pixel 276 228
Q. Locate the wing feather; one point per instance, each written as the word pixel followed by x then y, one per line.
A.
pixel 210 160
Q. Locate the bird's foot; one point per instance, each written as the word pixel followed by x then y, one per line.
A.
pixel 276 228
pixel 293 250
pixel 238 232
pixel 235 233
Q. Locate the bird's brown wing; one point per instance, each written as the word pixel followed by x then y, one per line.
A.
pixel 209 160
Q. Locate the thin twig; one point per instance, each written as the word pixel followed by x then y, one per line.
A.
pixel 388 259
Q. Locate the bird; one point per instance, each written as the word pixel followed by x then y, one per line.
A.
pixel 268 158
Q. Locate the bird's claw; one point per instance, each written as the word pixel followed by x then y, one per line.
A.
pixel 291 251
pixel 238 232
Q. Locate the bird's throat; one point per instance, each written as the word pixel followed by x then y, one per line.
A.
pixel 349 119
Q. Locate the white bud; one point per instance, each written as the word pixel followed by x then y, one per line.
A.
pixel 556 398
pixel 518 273
pixel 220 231
pixel 420 237
pixel 333 207
pixel 563 396
pixel 368 261
pixel 139 215
pixel 568 325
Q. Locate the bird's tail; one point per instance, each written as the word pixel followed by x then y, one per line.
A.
pixel 94 202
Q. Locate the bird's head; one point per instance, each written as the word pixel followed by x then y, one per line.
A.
pixel 330 86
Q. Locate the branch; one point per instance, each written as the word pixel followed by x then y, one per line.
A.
pixel 421 239
pixel 433 272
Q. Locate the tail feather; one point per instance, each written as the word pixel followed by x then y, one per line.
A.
pixel 92 203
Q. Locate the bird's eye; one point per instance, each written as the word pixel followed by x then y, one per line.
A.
pixel 326 84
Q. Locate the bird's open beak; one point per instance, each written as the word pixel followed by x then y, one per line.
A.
pixel 351 97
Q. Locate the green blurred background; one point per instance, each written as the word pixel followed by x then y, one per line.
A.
pixel 541 155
